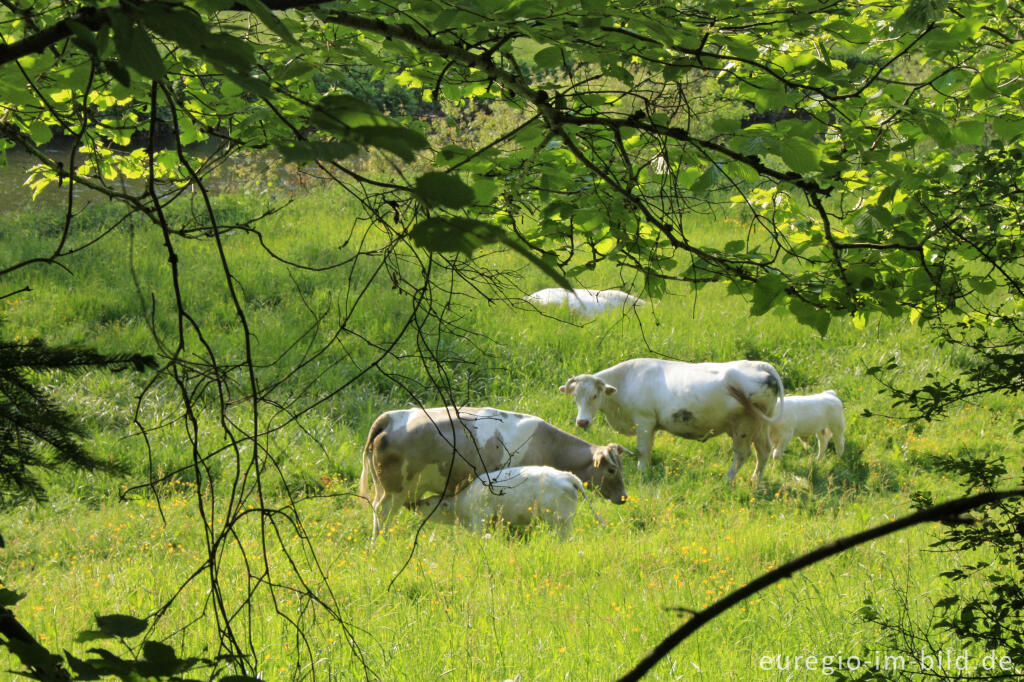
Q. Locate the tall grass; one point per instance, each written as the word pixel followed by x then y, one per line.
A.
pixel 443 603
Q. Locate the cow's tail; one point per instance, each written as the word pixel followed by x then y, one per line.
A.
pixel 749 405
pixel 366 477
pixel 578 484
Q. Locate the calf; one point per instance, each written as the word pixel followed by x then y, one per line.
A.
pixel 820 414
pixel 412 452
pixel 514 496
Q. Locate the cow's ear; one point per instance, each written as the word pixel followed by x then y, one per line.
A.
pixel 569 386
pixel 609 389
pixel 598 458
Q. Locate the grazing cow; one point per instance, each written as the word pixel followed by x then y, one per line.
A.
pixel 585 302
pixel 692 400
pixel 820 414
pixel 412 452
pixel 516 496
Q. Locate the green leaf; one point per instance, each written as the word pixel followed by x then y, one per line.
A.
pixel 725 125
pixel 969 132
pixel 706 181
pixel 403 142
pixel 118 625
pixel 766 290
pixel 549 57
pixel 40 132
pixel 350 110
pixel 740 45
pixel 453 234
pixel 810 316
pixel 83 37
pixel 982 285
pixel 485 190
pixel 1008 127
pixel 178 24
pixel 227 51
pixel 464 235
pixel 862 277
pixel 269 19
pixel 120 74
pixel 135 48
pixel 800 154
pixel 442 189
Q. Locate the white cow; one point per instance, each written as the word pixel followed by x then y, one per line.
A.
pixel 692 400
pixel 515 496
pixel 820 414
pixel 585 302
pixel 412 452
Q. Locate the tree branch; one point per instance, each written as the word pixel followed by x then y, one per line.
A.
pixel 939 512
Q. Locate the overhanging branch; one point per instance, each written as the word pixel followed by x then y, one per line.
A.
pixel 939 512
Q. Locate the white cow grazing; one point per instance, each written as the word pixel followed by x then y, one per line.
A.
pixel 820 414
pixel 516 496
pixel 585 302
pixel 412 452
pixel 692 400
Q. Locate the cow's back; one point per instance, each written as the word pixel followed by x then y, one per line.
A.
pixel 688 399
pixel 438 449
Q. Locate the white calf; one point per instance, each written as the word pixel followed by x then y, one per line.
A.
pixel 820 414
pixel 516 496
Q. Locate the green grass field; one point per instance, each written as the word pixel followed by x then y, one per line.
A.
pixel 440 603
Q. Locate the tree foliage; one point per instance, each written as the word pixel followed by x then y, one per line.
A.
pixel 35 431
pixel 873 150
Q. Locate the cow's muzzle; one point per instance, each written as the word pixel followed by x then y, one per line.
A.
pixel 583 423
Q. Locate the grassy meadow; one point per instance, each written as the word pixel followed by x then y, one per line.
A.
pixel 440 603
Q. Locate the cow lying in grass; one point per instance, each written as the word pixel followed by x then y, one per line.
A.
pixel 585 302
pixel 820 414
pixel 413 452
pixel 515 496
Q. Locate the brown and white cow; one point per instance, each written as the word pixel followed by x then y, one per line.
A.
pixel 412 452
pixel 691 400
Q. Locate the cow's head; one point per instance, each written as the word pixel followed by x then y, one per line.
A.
pixel 607 473
pixel 436 508
pixel 589 393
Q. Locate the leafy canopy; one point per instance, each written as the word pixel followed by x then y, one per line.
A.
pixel 872 151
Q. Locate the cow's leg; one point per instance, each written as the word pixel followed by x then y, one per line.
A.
pixel 763 449
pixel 823 438
pixel 740 453
pixel 383 510
pixel 644 443
pixel 837 433
pixel 779 446
pixel 563 527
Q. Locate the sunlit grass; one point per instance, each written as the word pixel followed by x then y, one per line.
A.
pixel 442 602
